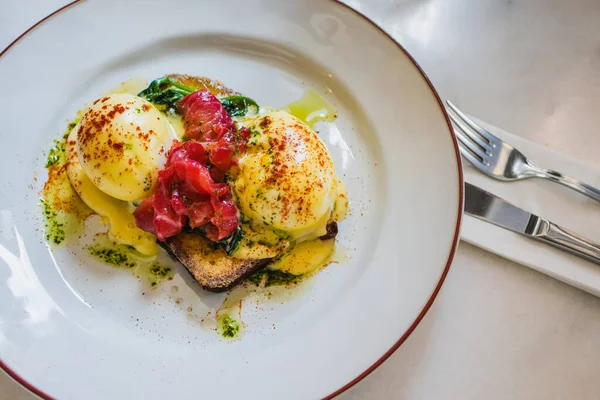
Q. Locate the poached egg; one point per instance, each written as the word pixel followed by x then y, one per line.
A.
pixel 114 154
pixel 122 141
pixel 286 180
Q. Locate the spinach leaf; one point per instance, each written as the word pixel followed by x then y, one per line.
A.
pixel 231 243
pixel 165 91
pixel 239 105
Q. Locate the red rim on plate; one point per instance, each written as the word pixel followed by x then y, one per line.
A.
pixel 435 292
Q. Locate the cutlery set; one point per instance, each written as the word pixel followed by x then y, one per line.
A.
pixel 499 160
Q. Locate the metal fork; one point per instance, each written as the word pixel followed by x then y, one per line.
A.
pixel 499 160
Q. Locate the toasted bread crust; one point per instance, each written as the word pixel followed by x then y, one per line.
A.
pixel 332 231
pixel 201 82
pixel 209 264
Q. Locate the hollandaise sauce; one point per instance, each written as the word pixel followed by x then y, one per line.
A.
pixel 303 261
pixel 62 209
pixel 305 258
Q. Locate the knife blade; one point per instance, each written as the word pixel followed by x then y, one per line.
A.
pixel 491 208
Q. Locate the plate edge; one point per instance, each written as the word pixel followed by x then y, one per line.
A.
pixel 459 217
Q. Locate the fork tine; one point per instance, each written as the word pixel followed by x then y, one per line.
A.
pixel 469 132
pixel 483 132
pixel 474 160
pixel 464 140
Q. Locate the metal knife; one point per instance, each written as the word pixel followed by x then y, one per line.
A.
pixel 491 208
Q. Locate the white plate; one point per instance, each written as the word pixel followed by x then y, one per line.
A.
pixel 71 328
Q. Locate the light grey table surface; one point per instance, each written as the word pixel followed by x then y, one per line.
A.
pixel 497 330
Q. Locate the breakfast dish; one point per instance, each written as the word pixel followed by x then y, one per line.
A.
pixel 228 188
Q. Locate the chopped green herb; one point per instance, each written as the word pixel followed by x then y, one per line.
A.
pixel 70 127
pixel 112 256
pixel 57 153
pixel 229 327
pixel 148 183
pixel 126 257
pixel 256 278
pixel 271 277
pixel 159 270
pixel 55 231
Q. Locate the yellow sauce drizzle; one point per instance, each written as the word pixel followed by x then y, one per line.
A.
pixel 148 269
pixel 306 257
pixel 119 213
pixel 312 108
pixel 62 208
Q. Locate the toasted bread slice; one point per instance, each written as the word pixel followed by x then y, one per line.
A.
pixel 201 82
pixel 210 265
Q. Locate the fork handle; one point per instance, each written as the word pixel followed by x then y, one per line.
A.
pixel 567 181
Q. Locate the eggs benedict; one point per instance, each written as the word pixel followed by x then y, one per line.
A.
pixel 227 187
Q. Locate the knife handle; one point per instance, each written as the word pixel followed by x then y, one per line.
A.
pixel 564 239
